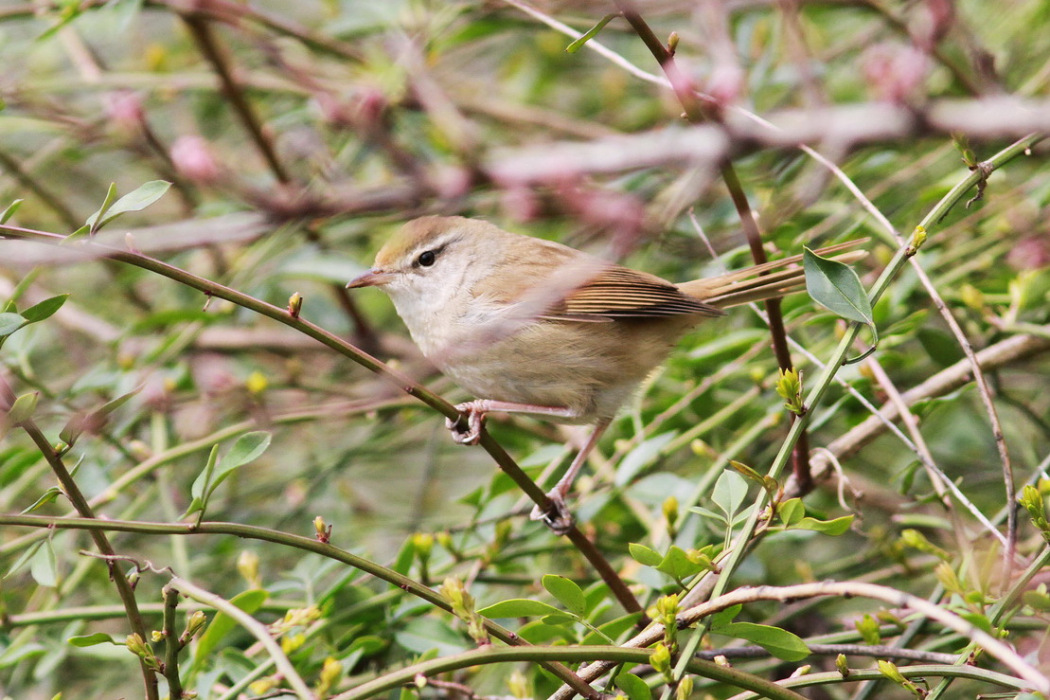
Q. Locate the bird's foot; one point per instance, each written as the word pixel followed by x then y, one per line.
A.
pixel 557 516
pixel 474 417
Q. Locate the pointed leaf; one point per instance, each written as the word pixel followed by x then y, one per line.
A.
pixel 202 484
pixel 10 322
pixel 222 624
pixel 519 607
pixel 43 566
pixel 633 686
pixel 835 285
pixel 644 555
pixel 23 407
pixel 588 35
pixel 729 492
pixel 93 221
pixel 677 565
pixel 567 593
pixel 90 640
pixel 45 309
pixel 791 511
pixel 778 642
pixel 837 526
pixel 10 211
pixel 247 449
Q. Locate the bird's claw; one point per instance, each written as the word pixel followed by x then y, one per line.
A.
pixel 557 516
pixel 474 418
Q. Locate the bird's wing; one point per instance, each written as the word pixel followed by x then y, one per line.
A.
pixel 616 293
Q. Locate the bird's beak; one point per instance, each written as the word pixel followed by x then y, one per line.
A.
pixel 371 278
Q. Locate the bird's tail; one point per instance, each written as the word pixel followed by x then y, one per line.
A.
pixel 766 281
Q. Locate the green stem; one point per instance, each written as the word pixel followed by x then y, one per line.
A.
pixel 493 655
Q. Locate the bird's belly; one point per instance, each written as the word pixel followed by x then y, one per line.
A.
pixel 591 370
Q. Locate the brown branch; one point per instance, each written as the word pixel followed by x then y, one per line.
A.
pixel 202 34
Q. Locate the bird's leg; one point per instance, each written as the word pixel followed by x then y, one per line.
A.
pixel 557 517
pixel 474 413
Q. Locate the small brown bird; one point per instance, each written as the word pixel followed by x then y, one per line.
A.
pixel 532 326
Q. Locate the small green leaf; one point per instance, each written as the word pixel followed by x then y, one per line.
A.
pixel 566 592
pixel 724 617
pixel 10 211
pixel 49 496
pixel 202 484
pixel 869 630
pixel 633 686
pixel 644 555
pixel 559 618
pixel 778 642
pixel 23 408
pixel 45 309
pixel 43 565
pixel 836 286
pixel 136 200
pixel 677 565
pixel 588 35
pixel 10 322
pixel 90 640
pixel 791 511
pixel 834 527
pixel 519 607
pixel 247 449
pixel 1037 600
pixel 222 624
pixel 729 492
pixel 94 222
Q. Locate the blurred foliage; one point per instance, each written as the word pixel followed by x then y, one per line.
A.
pixel 296 138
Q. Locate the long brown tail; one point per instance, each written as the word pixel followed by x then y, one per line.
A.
pixel 766 281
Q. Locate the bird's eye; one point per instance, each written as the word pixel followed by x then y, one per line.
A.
pixel 426 258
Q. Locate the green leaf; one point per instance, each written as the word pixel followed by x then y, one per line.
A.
pixel 729 492
pixel 837 526
pixel 633 686
pixel 43 566
pixel 45 309
pixel 10 211
pixel 222 624
pixel 559 618
pixel 588 35
pixel 10 322
pixel 792 511
pixel 644 555
pixel 90 640
pixel 136 200
pixel 93 221
pixel 724 617
pixel 778 642
pixel 567 593
pixel 23 408
pixel 247 449
pixel 677 565
pixel 49 496
pixel 202 484
pixel 836 286
pixel 519 607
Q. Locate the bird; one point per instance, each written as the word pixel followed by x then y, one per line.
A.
pixel 536 327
